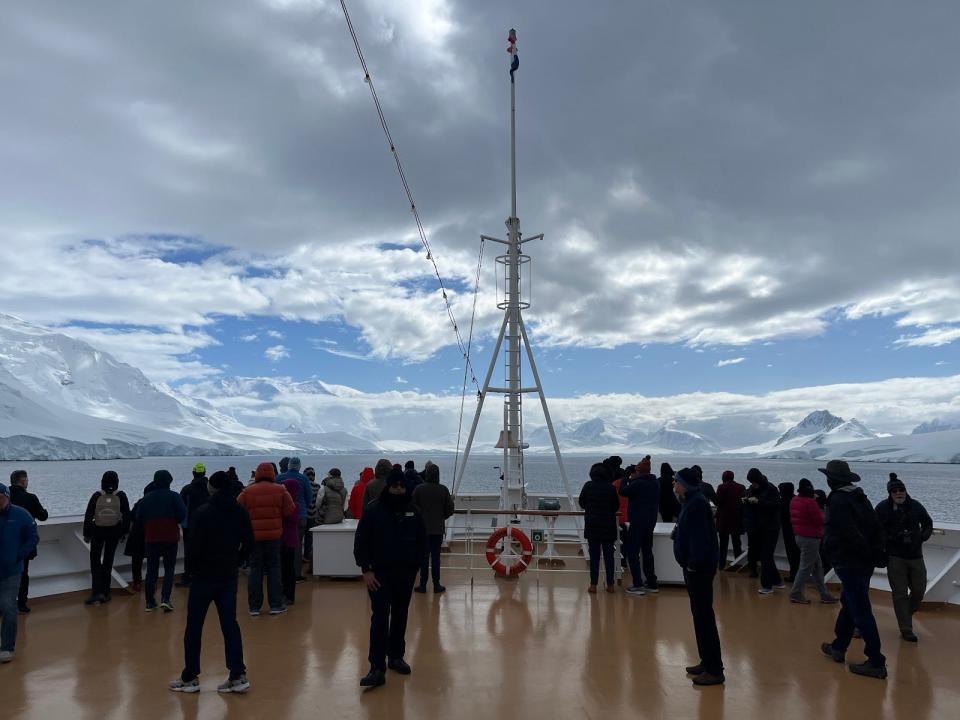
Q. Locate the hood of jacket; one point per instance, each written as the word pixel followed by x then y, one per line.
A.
pixel 334 482
pixel 431 474
pixel 162 479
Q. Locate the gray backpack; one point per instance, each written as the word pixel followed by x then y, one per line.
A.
pixel 107 511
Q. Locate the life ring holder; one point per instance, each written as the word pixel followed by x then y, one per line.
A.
pixel 520 563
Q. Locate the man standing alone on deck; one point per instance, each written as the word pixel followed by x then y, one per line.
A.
pixel 222 538
pixel 853 543
pixel 906 526
pixel 696 549
pixel 31 503
pixel 18 539
pixel 389 544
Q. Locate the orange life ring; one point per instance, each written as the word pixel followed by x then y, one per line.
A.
pixel 521 563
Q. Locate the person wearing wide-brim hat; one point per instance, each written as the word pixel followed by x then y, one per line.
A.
pixel 853 543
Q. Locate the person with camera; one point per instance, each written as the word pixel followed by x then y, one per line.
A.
pixel 906 527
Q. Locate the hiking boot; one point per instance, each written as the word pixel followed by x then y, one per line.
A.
pixel 832 653
pixel 399 665
pixel 695 669
pixel 94 599
pixel 6 656
pixel 374 678
pixel 185 686
pixel 238 684
pixel 799 600
pixel 909 636
pixel 437 589
pixel 23 609
pixel 166 606
pixel 635 591
pixel 420 589
pixel 868 670
pixel 705 679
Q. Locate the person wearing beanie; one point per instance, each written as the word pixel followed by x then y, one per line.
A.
pixel 236 485
pixel 786 528
pixel 729 516
pixel 159 514
pixel 436 505
pixel 806 519
pixel 410 473
pixel 600 504
pixel 669 505
pixel 388 546
pixel 355 504
pixel 303 507
pixel 375 487
pixel 706 488
pixel 288 544
pixel 194 495
pixel 906 527
pixel 267 503
pixel 19 496
pixel 696 550
pixel 223 538
pixel 105 522
pixel 853 543
pixel 762 514
pixel 333 499
pixel 18 541
pixel 642 491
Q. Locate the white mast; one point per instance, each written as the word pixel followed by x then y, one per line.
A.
pixel 513 494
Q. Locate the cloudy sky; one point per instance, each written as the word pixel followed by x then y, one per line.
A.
pixel 738 199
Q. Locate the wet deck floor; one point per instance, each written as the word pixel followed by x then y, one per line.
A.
pixel 504 649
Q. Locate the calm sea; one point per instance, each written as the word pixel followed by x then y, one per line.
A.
pixel 65 486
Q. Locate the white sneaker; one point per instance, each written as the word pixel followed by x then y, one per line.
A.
pixel 636 591
pixel 237 685
pixel 6 656
pixel 765 591
pixel 191 686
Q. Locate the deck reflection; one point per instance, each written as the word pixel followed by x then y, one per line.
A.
pixel 498 649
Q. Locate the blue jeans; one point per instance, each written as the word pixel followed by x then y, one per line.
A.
pixel 156 551
pixel 265 560
pixel 856 612
pixel 9 587
pixel 223 594
pixel 431 556
pixel 596 547
pixel 640 544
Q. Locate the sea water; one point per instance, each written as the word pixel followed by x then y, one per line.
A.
pixel 64 487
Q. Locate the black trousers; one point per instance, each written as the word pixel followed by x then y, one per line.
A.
pixel 288 576
pixel 188 568
pixel 700 590
pixel 725 538
pixel 754 542
pixel 223 594
pixel 388 622
pixel 431 557
pixel 102 552
pixel 24 585
pixel 769 575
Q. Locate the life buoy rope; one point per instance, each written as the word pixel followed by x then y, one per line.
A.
pixel 494 558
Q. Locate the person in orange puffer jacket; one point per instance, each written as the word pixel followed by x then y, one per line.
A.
pixel 268 504
pixel 355 504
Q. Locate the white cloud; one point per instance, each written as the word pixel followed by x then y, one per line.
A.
pixel 934 337
pixel 401 381
pixel 275 334
pixel 252 337
pixel 731 361
pixel 276 353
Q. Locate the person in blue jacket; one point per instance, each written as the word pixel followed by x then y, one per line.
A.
pixel 642 490
pixel 18 540
pixel 696 548
pixel 304 496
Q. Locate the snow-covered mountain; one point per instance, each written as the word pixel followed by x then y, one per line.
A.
pixel 935 425
pixel 817 423
pixel 600 435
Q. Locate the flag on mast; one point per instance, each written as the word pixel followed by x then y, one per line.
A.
pixel 512 49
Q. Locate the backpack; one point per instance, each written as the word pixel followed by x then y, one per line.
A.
pixel 107 513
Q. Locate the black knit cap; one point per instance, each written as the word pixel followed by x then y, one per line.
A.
pixel 219 480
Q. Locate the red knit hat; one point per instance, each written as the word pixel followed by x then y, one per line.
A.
pixel 265 471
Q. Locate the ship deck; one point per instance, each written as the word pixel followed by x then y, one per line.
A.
pixel 534 648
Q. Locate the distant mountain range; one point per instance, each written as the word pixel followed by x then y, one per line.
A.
pixel 62 398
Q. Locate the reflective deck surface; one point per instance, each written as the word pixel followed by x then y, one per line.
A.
pixel 504 649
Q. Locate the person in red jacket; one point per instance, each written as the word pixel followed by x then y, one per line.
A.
pixel 729 516
pixel 268 504
pixel 806 517
pixel 355 504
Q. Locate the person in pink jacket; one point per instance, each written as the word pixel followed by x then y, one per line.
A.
pixel 807 521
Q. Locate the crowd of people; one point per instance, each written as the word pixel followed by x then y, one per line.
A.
pixel 842 531
pixel 401 516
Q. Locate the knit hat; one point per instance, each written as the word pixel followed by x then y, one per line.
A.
pixel 727 476
pixel 199 469
pixel 284 464
pixel 409 465
pixel 895 484
pixel 334 472
pixel 754 476
pixel 839 470
pixel 294 464
pixel 644 465
pixel 219 480
pixel 110 481
pixel 265 471
pixel 688 478
pixel 4 490
pixel 396 477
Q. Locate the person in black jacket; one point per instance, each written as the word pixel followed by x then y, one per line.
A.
pixel 669 505
pixel 105 522
pixel 194 496
pixel 697 550
pixel 786 527
pixel 906 527
pixel 388 546
pixel 222 539
pixel 853 542
pixel 31 503
pixel 642 491
pixel 763 502
pixel 135 548
pixel 600 504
